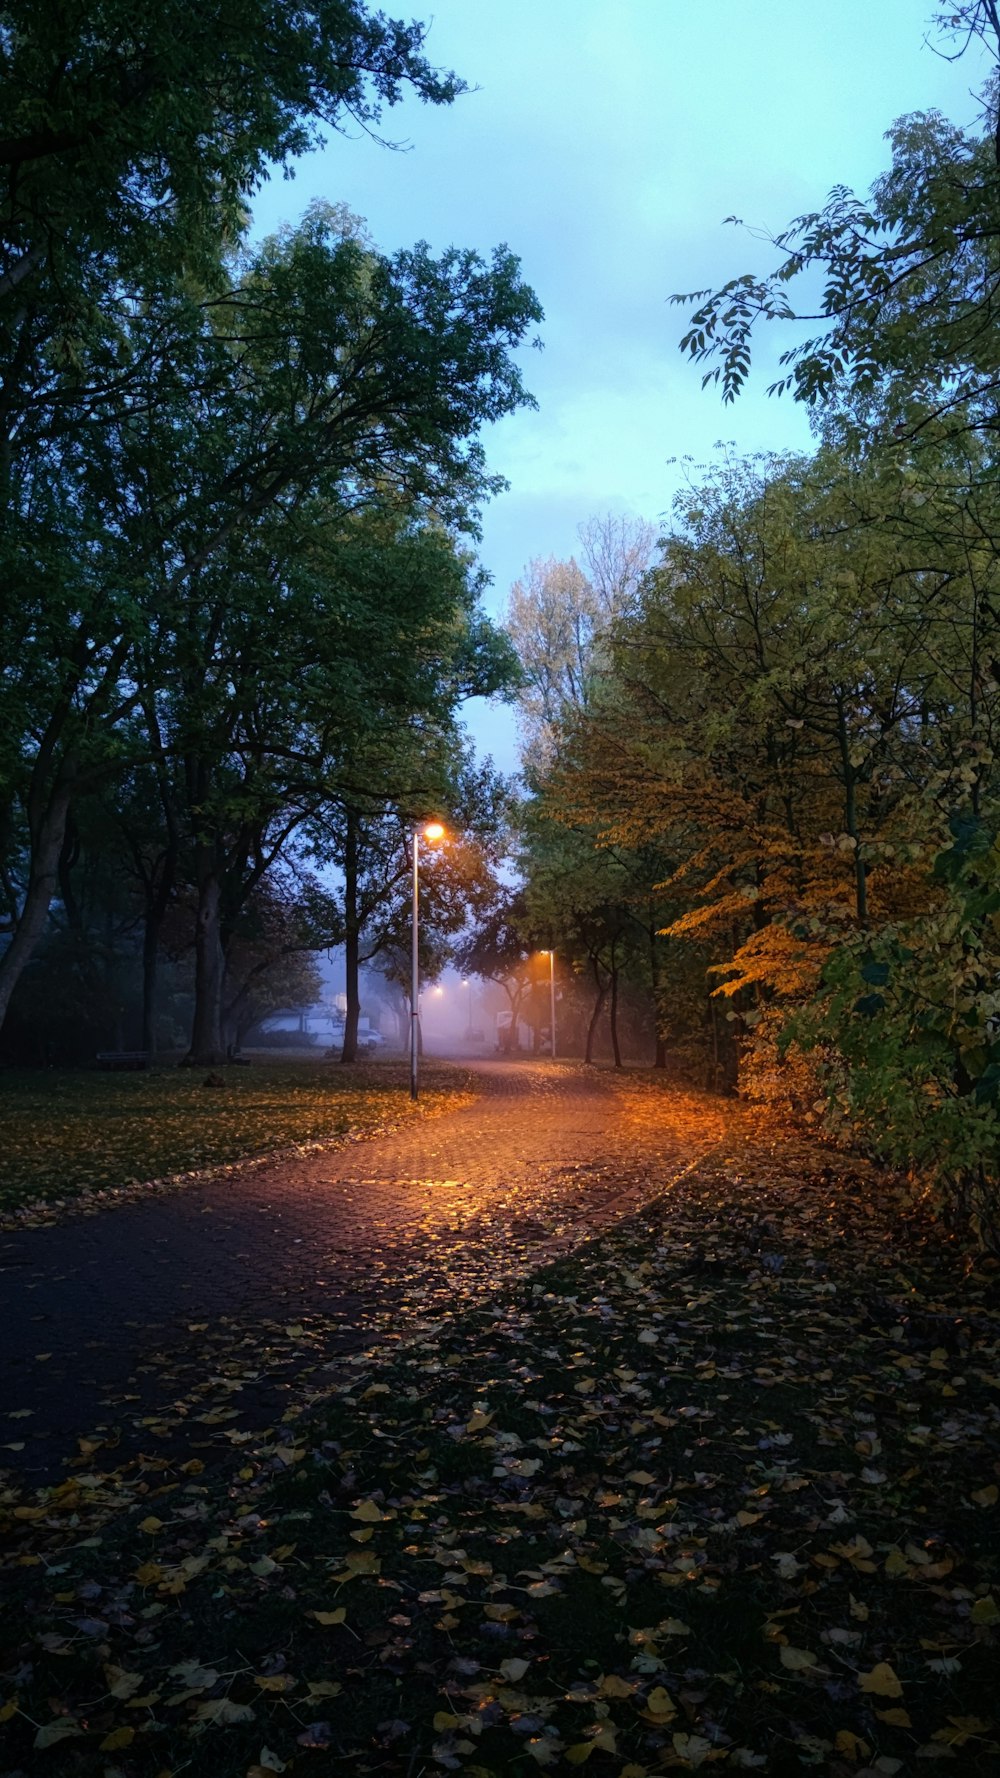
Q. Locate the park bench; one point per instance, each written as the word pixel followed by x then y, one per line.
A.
pixel 123 1059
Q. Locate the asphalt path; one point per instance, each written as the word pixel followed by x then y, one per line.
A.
pixel 212 1309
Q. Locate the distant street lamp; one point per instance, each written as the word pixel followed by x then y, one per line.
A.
pixel 552 1001
pixel 432 832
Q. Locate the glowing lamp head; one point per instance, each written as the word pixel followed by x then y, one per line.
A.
pixel 433 831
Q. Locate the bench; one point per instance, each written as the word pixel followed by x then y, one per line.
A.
pixel 123 1059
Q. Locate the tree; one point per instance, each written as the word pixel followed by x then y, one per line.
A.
pixel 499 949
pixel 134 135
pixel 369 835
pixel 323 372
pixel 911 281
pixel 558 618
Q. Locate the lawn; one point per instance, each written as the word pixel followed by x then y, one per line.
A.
pixel 73 1133
pixel 720 1489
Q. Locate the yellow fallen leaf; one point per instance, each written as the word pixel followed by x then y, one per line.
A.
pixel 797 1660
pixel 359 1562
pixel 610 1686
pixel 122 1684
pixel 961 1729
pixel 850 1744
pixel 660 1704
pixel 986 1496
pixel 897 1717
pixel 368 1513
pixel 151 1524
pixel 117 1738
pixel 223 1711
pixel 443 1719
pixel 882 1681
pixel 578 1753
pixel 896 1565
pixel 985 1611
pixel 329 1617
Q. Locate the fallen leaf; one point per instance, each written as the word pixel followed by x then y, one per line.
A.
pixel 882 1681
pixel 51 1733
pixel 117 1738
pixel 797 1660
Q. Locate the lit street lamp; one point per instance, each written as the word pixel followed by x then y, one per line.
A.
pixel 552 1002
pixel 433 831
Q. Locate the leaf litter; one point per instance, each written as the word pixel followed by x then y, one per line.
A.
pixel 718 1489
pixel 80 1142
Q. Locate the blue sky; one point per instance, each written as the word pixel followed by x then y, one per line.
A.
pixel 606 143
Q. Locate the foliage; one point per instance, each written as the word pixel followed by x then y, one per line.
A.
pixel 800 700
pixel 557 618
pixel 907 1023
pixel 135 136
pixel 910 281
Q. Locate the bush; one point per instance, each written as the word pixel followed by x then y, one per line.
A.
pixel 906 1032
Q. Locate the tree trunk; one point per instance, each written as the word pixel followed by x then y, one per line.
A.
pixel 207 1047
pixel 654 973
pixel 150 959
pixel 46 850
pixel 614 1016
pixel 352 939
pixel 851 816
pixel 602 988
pixel 159 890
pixel 157 902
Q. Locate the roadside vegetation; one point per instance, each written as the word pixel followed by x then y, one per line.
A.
pixel 763 750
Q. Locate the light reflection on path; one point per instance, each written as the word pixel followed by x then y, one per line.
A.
pixel 215 1302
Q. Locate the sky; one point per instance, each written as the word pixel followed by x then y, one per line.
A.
pixel 605 142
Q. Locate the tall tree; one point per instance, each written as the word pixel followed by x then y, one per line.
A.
pixel 323 369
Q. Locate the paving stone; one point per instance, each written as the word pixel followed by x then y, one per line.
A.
pixel 359 1241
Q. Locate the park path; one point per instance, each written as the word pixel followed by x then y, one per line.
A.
pixel 216 1306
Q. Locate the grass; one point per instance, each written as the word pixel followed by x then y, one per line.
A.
pixel 720 1489
pixel 73 1133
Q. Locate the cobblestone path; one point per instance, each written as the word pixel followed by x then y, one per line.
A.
pixel 221 1303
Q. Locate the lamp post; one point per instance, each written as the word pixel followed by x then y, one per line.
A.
pixel 433 831
pixel 552 1002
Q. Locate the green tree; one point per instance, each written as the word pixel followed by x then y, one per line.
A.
pixel 323 370
pixel 910 277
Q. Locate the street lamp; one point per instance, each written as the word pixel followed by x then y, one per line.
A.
pixel 468 1029
pixel 432 832
pixel 552 1002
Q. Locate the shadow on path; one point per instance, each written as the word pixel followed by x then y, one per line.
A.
pixel 214 1306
